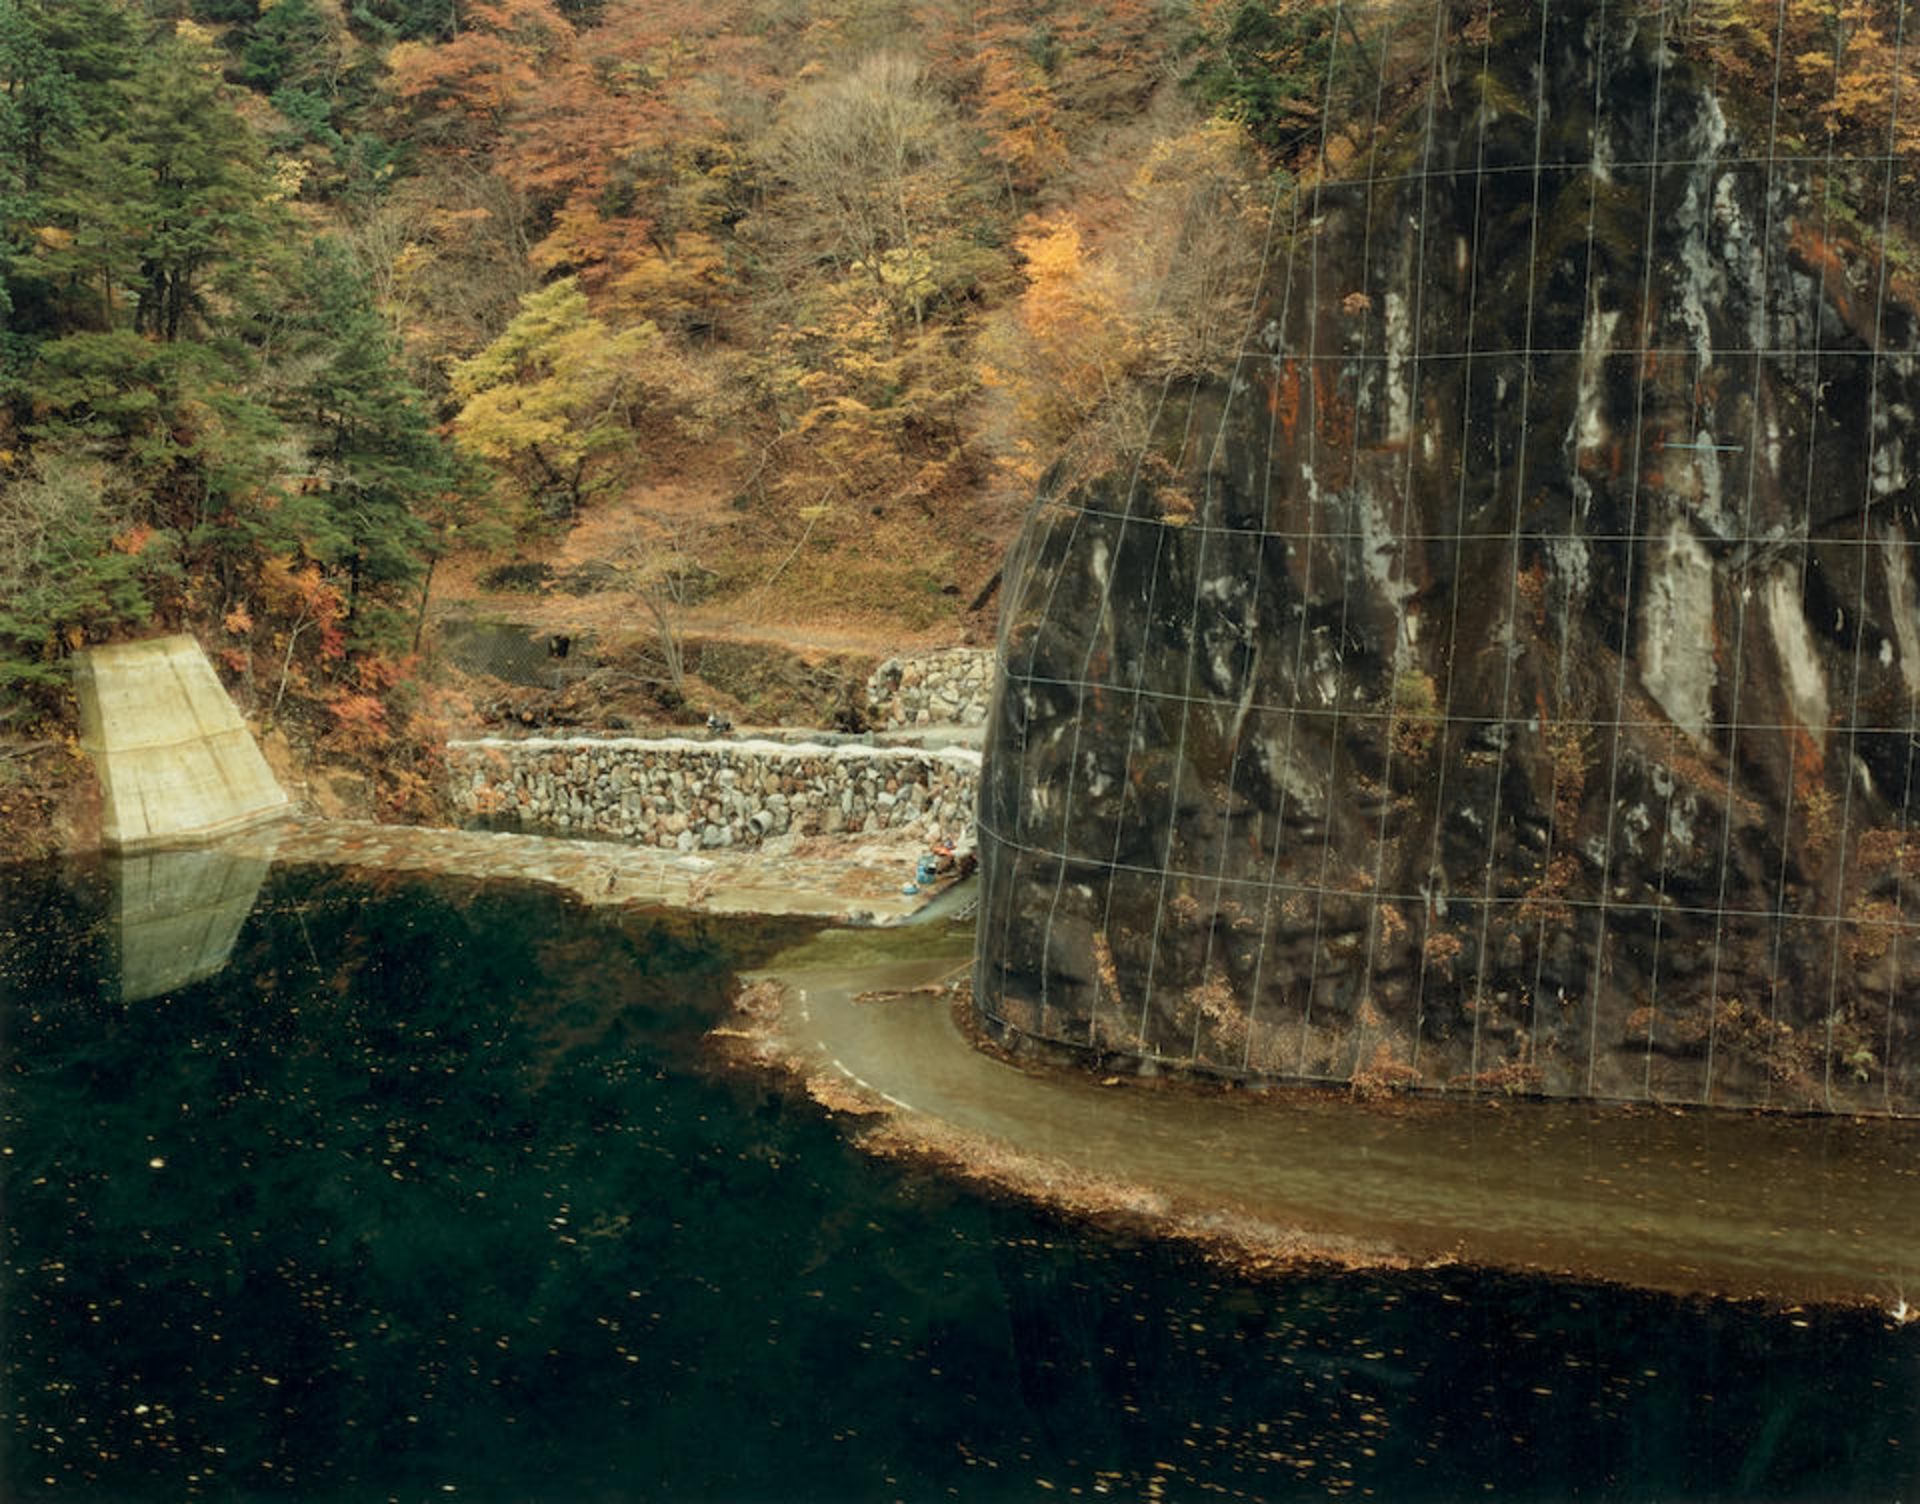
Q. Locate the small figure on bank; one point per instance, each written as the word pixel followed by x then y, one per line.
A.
pixel 717 724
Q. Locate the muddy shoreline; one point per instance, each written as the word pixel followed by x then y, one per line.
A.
pixel 871 1022
pixel 1816 1230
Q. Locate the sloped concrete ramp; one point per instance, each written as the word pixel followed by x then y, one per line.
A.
pixel 176 762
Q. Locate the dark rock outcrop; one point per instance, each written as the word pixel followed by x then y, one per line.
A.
pixel 1506 676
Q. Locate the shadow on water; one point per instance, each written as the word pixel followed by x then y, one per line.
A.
pixel 429 1193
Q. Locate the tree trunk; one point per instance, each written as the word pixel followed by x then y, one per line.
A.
pixel 426 589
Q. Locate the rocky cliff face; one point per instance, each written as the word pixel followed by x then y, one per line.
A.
pixel 1507 675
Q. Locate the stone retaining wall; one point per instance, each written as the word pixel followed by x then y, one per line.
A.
pixel 693 795
pixel 951 688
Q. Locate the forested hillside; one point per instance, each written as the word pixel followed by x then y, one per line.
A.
pixel 792 301
pixel 300 296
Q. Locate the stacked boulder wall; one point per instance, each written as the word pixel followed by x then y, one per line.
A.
pixel 1505 676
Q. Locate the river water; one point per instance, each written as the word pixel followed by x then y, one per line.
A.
pixel 335 1187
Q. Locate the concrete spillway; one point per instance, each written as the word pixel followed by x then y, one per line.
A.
pixel 176 763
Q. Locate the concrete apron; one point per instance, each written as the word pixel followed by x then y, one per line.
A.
pixel 176 764
pixel 860 882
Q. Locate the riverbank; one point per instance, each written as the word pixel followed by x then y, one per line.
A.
pixel 1774 1209
pixel 1781 1210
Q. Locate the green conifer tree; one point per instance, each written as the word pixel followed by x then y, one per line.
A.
pixel 379 462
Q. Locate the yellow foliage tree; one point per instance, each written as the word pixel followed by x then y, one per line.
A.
pixel 1069 347
pixel 555 392
pixel 1191 262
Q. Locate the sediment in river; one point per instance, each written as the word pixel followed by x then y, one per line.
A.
pixel 1751 1207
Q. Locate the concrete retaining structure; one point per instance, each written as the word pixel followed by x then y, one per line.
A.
pixel 951 688
pixel 692 795
pixel 176 762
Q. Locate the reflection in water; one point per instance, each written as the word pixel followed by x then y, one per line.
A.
pixel 178 913
pixel 430 1193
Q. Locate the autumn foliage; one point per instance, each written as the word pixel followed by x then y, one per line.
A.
pixel 303 297
pixel 783 237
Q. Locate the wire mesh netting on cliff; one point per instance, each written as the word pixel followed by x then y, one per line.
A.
pixel 1505 674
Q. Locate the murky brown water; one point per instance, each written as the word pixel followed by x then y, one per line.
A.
pixel 1787 1208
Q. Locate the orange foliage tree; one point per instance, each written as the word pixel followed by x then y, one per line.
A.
pixel 1840 72
pixel 1068 348
pixel 616 136
pixel 1031 69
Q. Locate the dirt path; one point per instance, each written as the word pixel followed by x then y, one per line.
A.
pixel 815 637
pixel 614 615
pixel 609 537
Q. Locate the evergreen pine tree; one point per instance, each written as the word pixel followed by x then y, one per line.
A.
pixel 381 464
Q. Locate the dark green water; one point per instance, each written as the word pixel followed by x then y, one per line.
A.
pixel 431 1193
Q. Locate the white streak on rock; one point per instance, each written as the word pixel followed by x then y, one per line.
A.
pixel 1676 630
pixel 1902 606
pixel 1799 659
